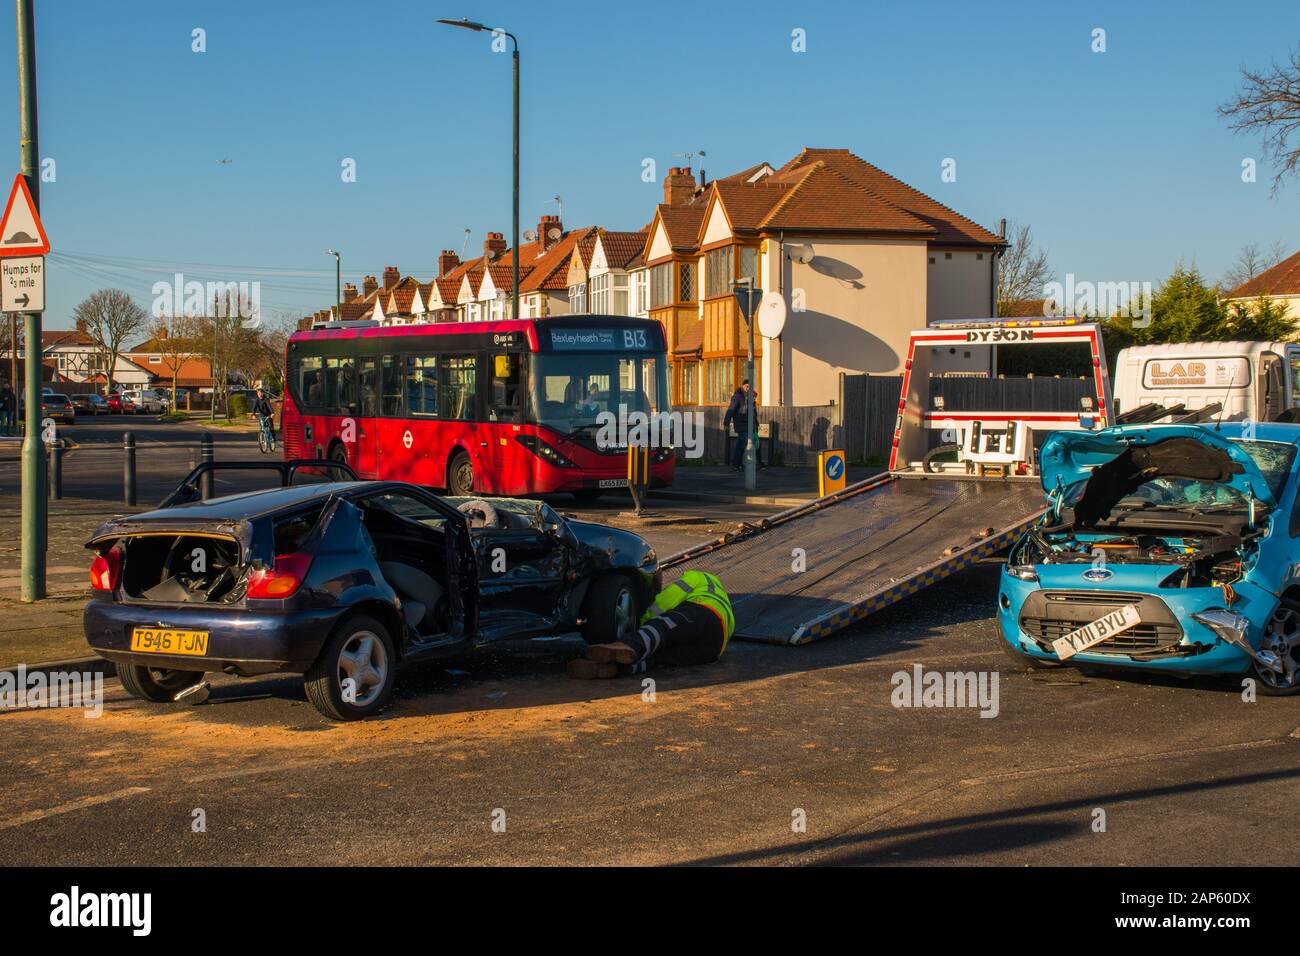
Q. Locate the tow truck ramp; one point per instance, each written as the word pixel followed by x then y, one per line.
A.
pixel 816 569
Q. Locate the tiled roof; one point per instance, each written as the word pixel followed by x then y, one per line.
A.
pixel 551 271
pixel 621 247
pixel 950 226
pixel 691 341
pixel 825 199
pixel 682 224
pixel 747 204
pixel 1282 279
pixel 53 338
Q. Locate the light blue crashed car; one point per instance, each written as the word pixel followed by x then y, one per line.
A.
pixel 1172 548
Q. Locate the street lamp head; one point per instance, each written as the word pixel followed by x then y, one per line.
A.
pixel 465 24
pixel 331 252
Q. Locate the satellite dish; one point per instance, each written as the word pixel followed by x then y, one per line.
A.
pixel 529 235
pixel 797 252
pixel 771 314
pixel 553 234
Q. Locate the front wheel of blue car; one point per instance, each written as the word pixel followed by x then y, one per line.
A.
pixel 353 677
pixel 1282 640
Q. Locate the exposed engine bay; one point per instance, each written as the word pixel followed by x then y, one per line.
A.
pixel 1201 560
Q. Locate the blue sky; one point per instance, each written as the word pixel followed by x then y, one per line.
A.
pixel 1116 159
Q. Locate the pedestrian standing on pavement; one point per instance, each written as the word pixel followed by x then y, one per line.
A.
pixel 8 409
pixel 689 622
pixel 737 418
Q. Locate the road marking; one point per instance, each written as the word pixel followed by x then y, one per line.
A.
pixel 31 816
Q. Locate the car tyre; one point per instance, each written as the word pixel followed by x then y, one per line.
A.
pixel 1282 637
pixel 362 649
pixel 460 475
pixel 157 684
pixel 610 610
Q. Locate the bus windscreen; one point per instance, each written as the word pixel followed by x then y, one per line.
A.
pixel 569 391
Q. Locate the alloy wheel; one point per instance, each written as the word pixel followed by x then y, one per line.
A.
pixel 364 660
pixel 1282 638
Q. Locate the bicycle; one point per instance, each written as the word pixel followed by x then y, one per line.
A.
pixel 265 434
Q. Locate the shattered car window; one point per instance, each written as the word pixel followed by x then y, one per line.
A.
pixel 1274 461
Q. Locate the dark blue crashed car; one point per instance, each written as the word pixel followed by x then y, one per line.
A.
pixel 344 582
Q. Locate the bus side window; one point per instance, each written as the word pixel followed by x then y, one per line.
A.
pixel 368 386
pixel 422 385
pixel 458 389
pixel 505 393
pixel 391 376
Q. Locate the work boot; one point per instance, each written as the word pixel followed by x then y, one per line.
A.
pixel 580 668
pixel 613 653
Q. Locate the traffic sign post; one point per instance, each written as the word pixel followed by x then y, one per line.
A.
pixel 832 471
pixel 21 234
pixel 747 298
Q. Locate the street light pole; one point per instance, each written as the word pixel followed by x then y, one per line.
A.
pixel 338 284
pixel 34 507
pixel 514 265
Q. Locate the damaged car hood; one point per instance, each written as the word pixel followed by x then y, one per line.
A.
pixel 1095 470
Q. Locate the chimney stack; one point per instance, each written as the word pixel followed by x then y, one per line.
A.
pixel 494 246
pixel 679 186
pixel 349 292
pixel 391 277
pixel 369 284
pixel 546 226
pixel 447 261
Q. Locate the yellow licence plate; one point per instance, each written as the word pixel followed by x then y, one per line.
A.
pixel 163 640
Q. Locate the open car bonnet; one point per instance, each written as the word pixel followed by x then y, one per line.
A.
pixel 1095 470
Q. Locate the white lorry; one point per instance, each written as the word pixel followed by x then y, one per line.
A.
pixel 1259 381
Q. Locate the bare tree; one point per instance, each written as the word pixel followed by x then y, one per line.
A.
pixel 272 339
pixel 1023 271
pixel 1250 262
pixel 177 339
pixel 1268 103
pixel 109 317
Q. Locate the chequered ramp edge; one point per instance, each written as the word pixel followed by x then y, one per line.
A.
pixel 838 620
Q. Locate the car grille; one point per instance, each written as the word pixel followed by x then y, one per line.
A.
pixel 1049 615
pixel 292 438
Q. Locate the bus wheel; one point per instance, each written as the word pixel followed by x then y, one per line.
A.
pixel 460 475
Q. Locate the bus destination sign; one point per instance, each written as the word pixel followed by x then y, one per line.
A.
pixel 597 340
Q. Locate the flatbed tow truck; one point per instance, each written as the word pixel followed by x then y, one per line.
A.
pixel 818 568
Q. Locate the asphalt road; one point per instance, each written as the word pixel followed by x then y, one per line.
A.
pixel 718 767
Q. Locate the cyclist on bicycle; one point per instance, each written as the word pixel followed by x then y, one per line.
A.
pixel 264 412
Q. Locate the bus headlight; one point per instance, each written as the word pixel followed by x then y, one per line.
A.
pixel 544 451
pixel 661 455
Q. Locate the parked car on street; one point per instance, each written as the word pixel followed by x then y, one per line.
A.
pixel 87 403
pixel 1166 548
pixel 58 407
pixel 345 581
pixel 147 401
pixel 119 404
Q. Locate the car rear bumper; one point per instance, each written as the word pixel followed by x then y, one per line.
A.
pixel 250 641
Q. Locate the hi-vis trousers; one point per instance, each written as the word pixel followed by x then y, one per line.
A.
pixel 688 634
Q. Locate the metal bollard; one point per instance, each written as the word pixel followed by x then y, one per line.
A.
pixel 205 455
pixel 56 469
pixel 128 468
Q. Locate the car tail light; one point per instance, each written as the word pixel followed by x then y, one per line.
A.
pixel 282 580
pixel 105 569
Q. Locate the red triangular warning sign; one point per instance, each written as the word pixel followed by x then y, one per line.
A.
pixel 21 232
